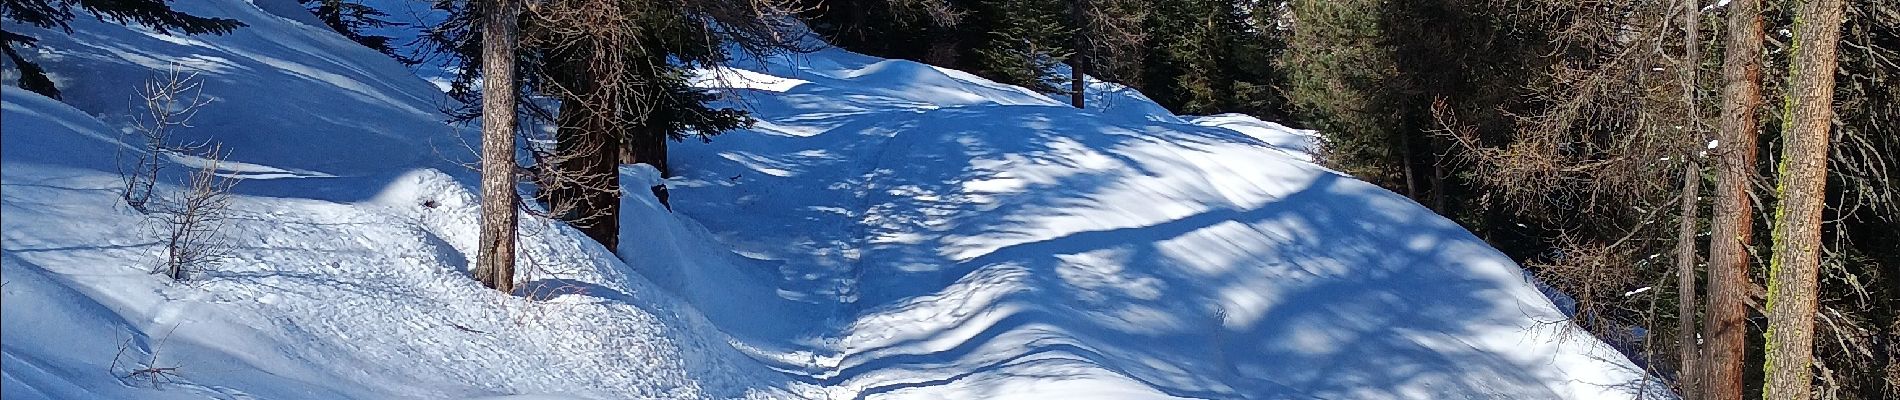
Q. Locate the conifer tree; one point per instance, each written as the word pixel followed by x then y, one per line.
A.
pixel 57 14
pixel 1687 350
pixel 352 18
pixel 1025 40
pixel 618 71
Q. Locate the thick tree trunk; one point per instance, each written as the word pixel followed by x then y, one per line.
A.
pixel 1691 196
pixel 1796 263
pixel 1733 222
pixel 647 144
pixel 586 194
pixel 646 141
pixel 495 260
pixel 584 189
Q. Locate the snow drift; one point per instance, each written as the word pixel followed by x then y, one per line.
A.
pixel 888 230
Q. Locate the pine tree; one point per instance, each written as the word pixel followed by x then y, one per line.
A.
pixel 352 18
pixel 1206 43
pixel 1025 40
pixel 50 14
pixel 922 30
pixel 1337 70
pixel 1079 59
pixel 618 70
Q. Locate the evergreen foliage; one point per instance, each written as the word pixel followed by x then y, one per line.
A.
pixel 617 69
pixel 1196 56
pixel 353 19
pixel 56 14
pixel 1026 40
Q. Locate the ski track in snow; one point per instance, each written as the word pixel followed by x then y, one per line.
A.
pixel 888 230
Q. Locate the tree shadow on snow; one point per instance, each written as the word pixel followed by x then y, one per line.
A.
pixel 1325 288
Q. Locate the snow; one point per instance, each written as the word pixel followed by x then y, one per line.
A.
pixel 888 230
pixel 1297 143
pixel 1718 4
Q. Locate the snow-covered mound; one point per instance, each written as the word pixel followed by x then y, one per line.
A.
pixel 888 230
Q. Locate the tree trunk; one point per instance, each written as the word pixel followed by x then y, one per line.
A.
pixel 1438 186
pixel 646 141
pixel 1405 160
pixel 1796 263
pixel 495 260
pixel 647 144
pixel 1691 195
pixel 1733 222
pixel 586 192
pixel 1685 279
pixel 1079 64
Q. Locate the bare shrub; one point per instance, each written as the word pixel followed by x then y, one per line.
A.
pixel 192 220
pixel 169 100
pixel 145 369
pixel 188 219
pixel 1597 278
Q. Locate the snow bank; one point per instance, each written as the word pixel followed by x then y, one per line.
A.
pixel 1298 143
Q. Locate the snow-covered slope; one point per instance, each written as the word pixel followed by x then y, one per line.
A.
pixel 350 244
pixel 1024 249
pixel 888 230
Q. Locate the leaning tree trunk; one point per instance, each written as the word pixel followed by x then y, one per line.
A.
pixel 1733 222
pixel 1691 195
pixel 495 260
pixel 1796 263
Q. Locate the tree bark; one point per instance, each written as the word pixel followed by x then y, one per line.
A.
pixel 1079 65
pixel 1733 222
pixel 1405 160
pixel 1438 185
pixel 587 192
pixel 646 142
pixel 495 265
pixel 1685 279
pixel 1691 195
pixel 584 189
pixel 1796 264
